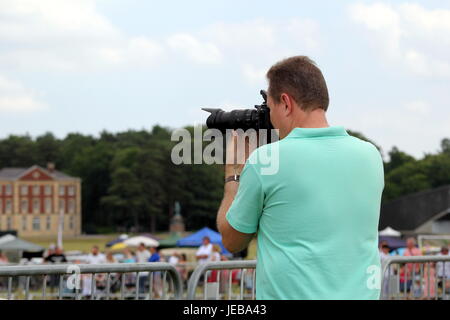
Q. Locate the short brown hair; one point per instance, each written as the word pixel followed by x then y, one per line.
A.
pixel 300 78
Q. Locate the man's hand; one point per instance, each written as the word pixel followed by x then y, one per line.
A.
pixel 238 151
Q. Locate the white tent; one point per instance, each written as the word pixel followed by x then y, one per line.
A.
pixel 136 241
pixel 12 243
pixel 389 232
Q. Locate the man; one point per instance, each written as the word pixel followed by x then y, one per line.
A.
pixel 157 281
pixel 204 252
pixel 325 197
pixel 406 275
pixel 57 256
pixel 96 257
pixel 443 271
pixel 142 256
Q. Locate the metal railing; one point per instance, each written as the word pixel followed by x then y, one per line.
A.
pixel 92 281
pixel 418 277
pixel 217 280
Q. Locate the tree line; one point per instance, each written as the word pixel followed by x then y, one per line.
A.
pixel 129 183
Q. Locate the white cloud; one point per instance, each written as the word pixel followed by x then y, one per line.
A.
pixel 202 52
pixel 408 35
pixel 15 98
pixel 67 35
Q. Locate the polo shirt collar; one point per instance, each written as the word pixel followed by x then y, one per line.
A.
pixel 334 131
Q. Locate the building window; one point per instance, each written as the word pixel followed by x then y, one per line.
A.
pixel 36 190
pixel 48 205
pixel 24 206
pixel 36 206
pixel 48 190
pixel 8 223
pixel 8 206
pixel 49 223
pixel 62 206
pixel 71 206
pixel 62 190
pixel 24 190
pixel 71 223
pixel 8 190
pixel 36 224
pixel 71 191
pixel 24 223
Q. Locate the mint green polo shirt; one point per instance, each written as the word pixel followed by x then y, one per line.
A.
pixel 316 218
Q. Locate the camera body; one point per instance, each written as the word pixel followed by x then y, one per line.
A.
pixel 257 118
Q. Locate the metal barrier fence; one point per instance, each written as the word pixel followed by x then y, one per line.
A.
pixel 90 281
pixel 218 280
pixel 418 277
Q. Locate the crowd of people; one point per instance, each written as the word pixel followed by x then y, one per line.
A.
pixel 418 280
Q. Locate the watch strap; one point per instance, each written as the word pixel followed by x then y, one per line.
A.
pixel 233 178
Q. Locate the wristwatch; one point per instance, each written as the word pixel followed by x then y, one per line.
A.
pixel 233 178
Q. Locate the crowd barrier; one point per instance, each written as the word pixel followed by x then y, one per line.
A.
pixel 416 278
pixel 91 281
pixel 419 277
pixel 218 279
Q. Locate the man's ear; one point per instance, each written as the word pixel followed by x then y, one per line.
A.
pixel 287 102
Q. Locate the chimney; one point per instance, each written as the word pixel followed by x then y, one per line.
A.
pixel 51 167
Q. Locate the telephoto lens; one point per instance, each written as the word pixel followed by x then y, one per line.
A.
pixel 257 118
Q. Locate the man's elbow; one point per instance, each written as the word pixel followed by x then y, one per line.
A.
pixel 231 245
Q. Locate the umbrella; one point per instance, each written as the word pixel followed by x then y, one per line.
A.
pixel 389 232
pixel 118 246
pixel 118 240
pixel 136 241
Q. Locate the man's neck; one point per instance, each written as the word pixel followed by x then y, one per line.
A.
pixel 313 119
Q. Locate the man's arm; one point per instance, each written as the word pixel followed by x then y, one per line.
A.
pixel 232 239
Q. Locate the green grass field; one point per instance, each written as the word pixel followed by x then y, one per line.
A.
pixel 84 243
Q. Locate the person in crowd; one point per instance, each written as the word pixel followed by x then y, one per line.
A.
pixel 443 271
pixel 128 256
pixel 96 257
pixel 110 258
pixel 157 281
pixel 3 258
pixel 142 256
pixel 174 258
pixel 384 255
pixel 182 268
pixel 215 257
pixel 57 256
pixel 407 272
pixel 204 252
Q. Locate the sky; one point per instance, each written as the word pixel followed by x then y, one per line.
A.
pixel 91 65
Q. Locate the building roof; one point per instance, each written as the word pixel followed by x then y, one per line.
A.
pixel 16 173
pixel 410 212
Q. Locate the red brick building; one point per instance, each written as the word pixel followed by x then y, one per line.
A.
pixel 33 199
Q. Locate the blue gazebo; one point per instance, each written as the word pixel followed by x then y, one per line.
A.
pixel 196 239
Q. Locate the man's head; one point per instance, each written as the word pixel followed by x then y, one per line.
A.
pixel 410 243
pixel 385 248
pixel 153 250
pixel 141 246
pixel 444 250
pixel 58 250
pixel 206 240
pixel 297 89
pixel 94 250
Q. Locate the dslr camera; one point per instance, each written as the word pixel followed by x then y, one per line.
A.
pixel 257 118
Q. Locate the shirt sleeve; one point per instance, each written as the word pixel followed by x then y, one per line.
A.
pixel 247 207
